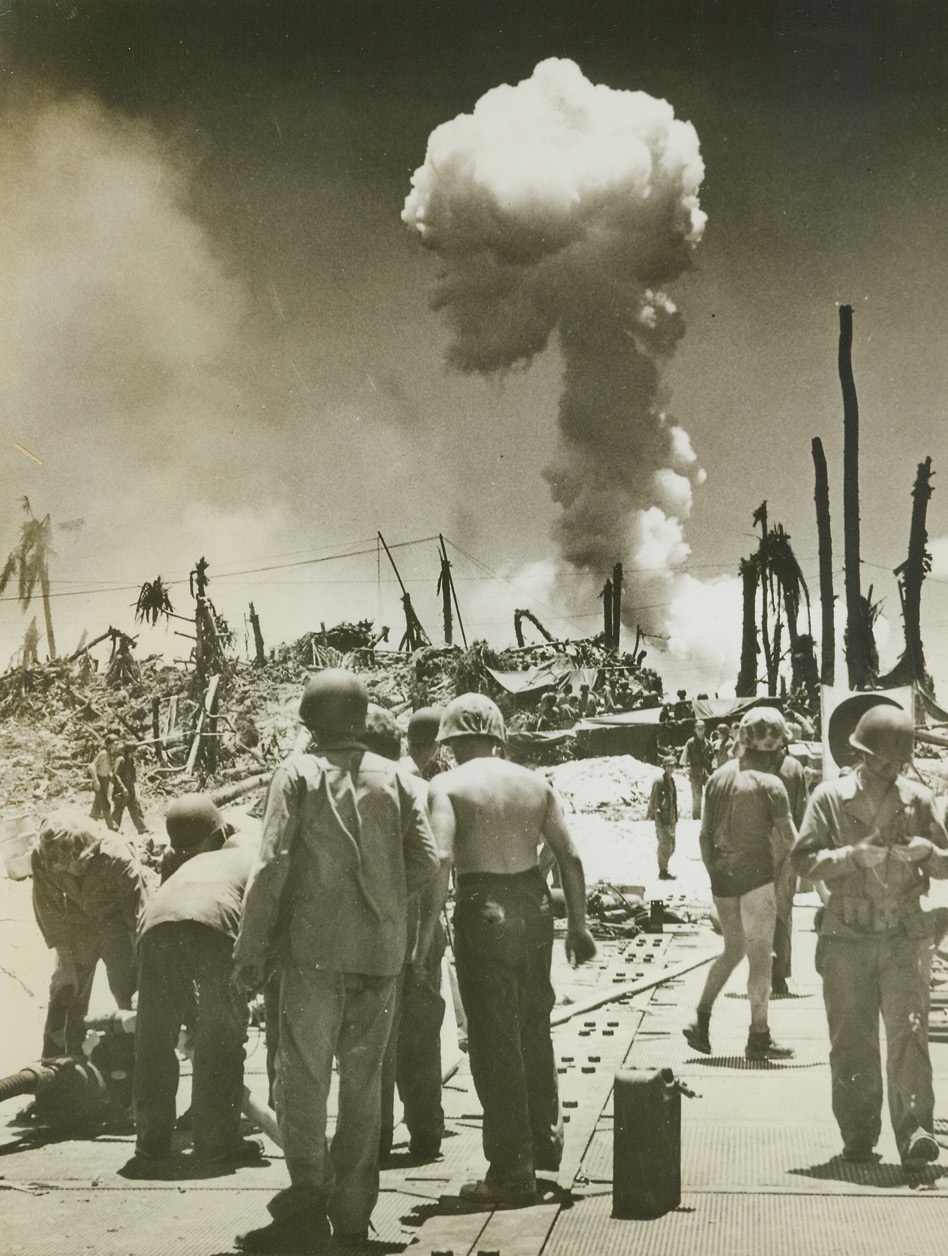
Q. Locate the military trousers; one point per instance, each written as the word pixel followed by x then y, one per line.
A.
pixel 503 935
pixel 71 985
pixel 326 1015
pixel 185 973
pixel 413 1056
pixel 863 979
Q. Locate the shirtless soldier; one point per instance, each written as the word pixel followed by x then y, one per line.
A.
pixel 489 818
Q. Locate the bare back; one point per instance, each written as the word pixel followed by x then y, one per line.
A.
pixel 500 811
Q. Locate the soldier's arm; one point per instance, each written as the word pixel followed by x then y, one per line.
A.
pixel 928 848
pixel 418 844
pixel 783 833
pixel 652 800
pixel 129 887
pixel 579 941
pixel 443 823
pixel 47 907
pixel 264 894
pixel 706 834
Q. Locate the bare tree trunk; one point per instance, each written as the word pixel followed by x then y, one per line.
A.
pixel 746 686
pixel 260 656
pixel 606 596
pixel 770 653
pixel 444 585
pixel 825 535
pixel 616 604
pixel 50 636
pixel 857 618
pixel 915 569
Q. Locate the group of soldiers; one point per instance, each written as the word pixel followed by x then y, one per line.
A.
pixel 332 910
pixel 869 841
pixel 561 708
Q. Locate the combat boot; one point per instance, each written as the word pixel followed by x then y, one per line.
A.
pixel 921 1148
pixel 697 1033
pixel 761 1047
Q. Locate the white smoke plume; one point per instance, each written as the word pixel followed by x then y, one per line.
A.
pixel 559 206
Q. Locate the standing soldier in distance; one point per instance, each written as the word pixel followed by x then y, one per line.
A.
pixel 125 789
pixel 874 838
pixel 490 817
pixel 100 773
pixel 663 809
pixel 698 759
pixel 421 757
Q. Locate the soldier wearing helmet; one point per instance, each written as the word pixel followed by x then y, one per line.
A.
pixel 88 890
pixel 746 834
pixel 490 817
pixel 194 825
pixel 422 753
pixel 697 758
pixel 185 963
pixel 345 841
pixel 768 737
pixel 875 838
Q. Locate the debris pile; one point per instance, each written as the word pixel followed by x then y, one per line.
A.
pixel 195 732
pixel 618 784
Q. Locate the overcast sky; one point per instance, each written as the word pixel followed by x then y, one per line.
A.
pixel 218 335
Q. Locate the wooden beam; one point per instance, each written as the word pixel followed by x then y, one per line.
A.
pixel 204 714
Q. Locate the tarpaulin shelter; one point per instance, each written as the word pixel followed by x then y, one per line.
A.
pixel 714 710
pixel 554 675
pixel 621 732
pixel 533 679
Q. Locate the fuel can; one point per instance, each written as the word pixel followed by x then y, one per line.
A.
pixel 646 1146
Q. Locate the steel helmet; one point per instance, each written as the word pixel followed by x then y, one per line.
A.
pixel 423 726
pixel 764 728
pixel 472 715
pixel 381 733
pixel 191 820
pixel 887 732
pixel 67 836
pixel 335 701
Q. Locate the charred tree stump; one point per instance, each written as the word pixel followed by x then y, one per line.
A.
pixel 616 604
pixel 913 571
pixel 825 536
pixel 911 576
pixel 260 657
pixel 606 595
pixel 859 644
pixel 746 686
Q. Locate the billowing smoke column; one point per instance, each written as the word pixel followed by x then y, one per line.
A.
pixel 560 206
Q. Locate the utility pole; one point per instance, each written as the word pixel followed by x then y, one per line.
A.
pixel 415 636
pixel 449 595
